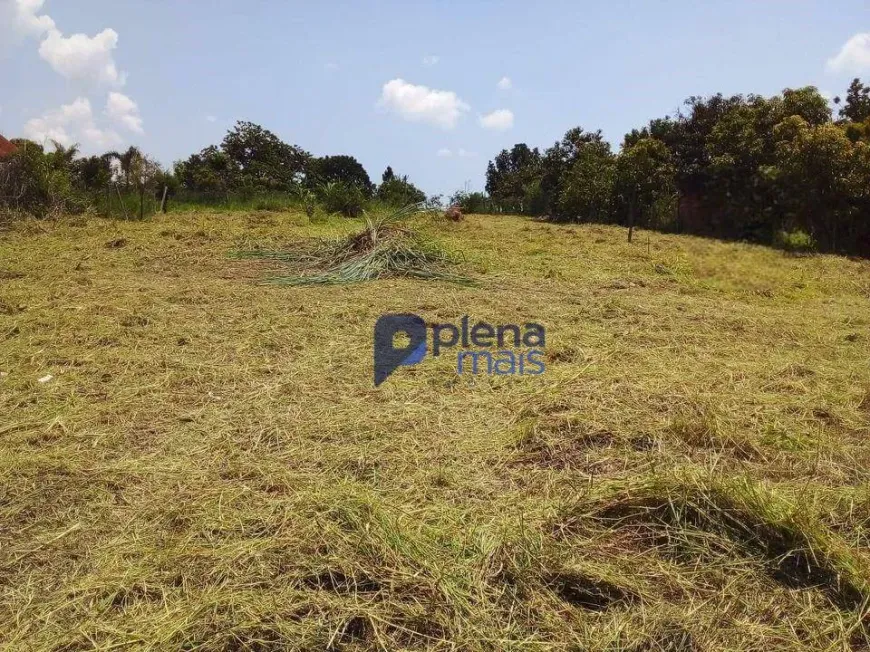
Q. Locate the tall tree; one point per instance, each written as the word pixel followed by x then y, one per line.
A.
pixel 560 159
pixel 62 157
pixel 857 105
pixel 510 178
pixel 645 185
pixel 398 191
pixel 263 161
pixel 342 169
pixel 817 169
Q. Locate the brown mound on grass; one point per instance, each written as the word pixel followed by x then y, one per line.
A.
pixel 454 214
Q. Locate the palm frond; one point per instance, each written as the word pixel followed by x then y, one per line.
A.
pixel 386 248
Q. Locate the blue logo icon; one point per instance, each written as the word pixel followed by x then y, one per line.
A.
pixel 388 358
pixel 509 349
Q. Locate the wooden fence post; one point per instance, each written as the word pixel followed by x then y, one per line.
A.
pixel 123 206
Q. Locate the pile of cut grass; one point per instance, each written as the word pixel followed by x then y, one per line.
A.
pixel 388 247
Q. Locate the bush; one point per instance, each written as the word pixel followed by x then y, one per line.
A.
pixel 338 197
pixel 472 202
pixel 29 182
pixel 796 241
pixel 397 192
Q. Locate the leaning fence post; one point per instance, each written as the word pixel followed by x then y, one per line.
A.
pixel 123 206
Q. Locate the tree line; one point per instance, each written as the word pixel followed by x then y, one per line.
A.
pixel 250 162
pixel 778 169
pixel 765 169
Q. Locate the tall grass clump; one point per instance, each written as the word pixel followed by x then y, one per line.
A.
pixel 386 247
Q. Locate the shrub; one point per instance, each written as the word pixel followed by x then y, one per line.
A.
pixel 338 197
pixel 398 191
pixel 472 202
pixel 796 241
pixel 308 200
pixel 30 182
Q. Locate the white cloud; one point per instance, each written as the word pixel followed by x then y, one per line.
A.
pixel 28 22
pixel 71 123
pixel 505 83
pixel 498 120
pixel 854 56
pixel 421 104
pixel 331 66
pixel 77 56
pixel 124 111
pixel 83 57
pixel 431 60
pixel 211 118
pixel 444 152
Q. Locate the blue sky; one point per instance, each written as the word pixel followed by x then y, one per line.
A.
pixel 173 76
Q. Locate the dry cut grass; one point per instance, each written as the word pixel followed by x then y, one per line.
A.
pixel 210 468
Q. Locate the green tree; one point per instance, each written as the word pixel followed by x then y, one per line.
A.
pixel 93 172
pixel 819 170
pixel 645 185
pixel 261 160
pixel 211 172
pixel 388 175
pixel 127 161
pixel 806 102
pixel 857 105
pixel 62 158
pixel 39 182
pixel 511 178
pixel 586 187
pixel 559 160
pixel 471 202
pixel 343 169
pixel 398 191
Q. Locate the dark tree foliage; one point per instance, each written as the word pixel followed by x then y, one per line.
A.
pixel 93 172
pixel 644 190
pixel 559 160
pixel 857 105
pixel 261 159
pixel 511 179
pixel 586 187
pixel 342 169
pixel 742 167
pixel 471 202
pixel 250 159
pixel 210 172
pixel 388 175
pixel 398 191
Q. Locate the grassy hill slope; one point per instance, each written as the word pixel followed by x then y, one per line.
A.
pixel 210 466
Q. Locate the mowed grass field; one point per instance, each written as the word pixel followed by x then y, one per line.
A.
pixel 211 468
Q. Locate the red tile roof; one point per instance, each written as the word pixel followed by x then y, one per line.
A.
pixel 6 148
